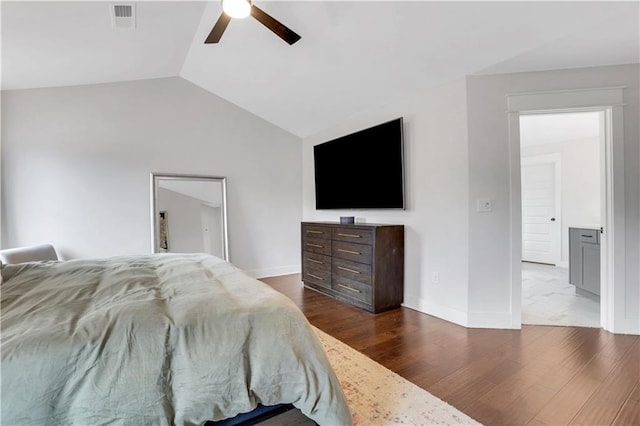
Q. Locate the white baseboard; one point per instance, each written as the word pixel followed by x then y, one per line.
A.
pixel 626 327
pixel 500 320
pixel 443 312
pixel 274 272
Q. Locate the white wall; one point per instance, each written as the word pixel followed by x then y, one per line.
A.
pixel 436 181
pixel 580 184
pixel 76 164
pixel 489 234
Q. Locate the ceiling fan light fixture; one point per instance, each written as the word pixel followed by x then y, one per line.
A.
pixel 237 8
pixel 241 9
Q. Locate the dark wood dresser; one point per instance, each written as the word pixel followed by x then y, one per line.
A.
pixel 362 264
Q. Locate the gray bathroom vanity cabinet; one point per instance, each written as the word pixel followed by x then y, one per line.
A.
pixel 584 260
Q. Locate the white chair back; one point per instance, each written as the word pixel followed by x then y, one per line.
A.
pixel 28 254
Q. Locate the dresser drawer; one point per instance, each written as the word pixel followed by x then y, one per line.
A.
pixel 356 252
pixel 353 289
pixel 352 270
pixel 591 236
pixel 316 261
pixel 316 245
pixel 321 277
pixel 353 235
pixel 316 231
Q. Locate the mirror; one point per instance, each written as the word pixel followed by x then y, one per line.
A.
pixel 189 214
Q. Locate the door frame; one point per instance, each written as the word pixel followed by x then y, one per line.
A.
pixel 556 160
pixel 612 275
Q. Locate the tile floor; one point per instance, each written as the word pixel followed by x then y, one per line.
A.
pixel 549 299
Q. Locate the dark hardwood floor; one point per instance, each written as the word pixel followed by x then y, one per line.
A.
pixel 539 375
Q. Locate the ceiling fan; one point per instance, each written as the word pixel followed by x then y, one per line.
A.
pixel 243 8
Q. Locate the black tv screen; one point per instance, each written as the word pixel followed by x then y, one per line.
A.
pixel 363 170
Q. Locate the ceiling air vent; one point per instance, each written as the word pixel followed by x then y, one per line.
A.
pixel 123 15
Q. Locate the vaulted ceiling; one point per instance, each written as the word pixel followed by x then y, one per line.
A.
pixel 353 55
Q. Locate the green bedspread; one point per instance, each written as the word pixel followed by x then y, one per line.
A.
pixel 155 340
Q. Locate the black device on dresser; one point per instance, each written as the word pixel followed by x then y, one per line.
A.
pixel 362 264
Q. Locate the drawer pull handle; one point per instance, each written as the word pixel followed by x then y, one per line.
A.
pixel 348 270
pixel 350 235
pixel 355 290
pixel 314 232
pixel 350 251
pixel 314 245
pixel 315 276
pixel 587 236
pixel 316 261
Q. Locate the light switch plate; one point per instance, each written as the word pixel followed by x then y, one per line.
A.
pixel 485 205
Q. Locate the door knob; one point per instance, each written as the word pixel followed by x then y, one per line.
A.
pixel 553 219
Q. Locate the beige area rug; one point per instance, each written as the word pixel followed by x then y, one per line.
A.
pixel 378 396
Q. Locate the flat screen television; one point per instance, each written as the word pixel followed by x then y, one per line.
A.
pixel 363 170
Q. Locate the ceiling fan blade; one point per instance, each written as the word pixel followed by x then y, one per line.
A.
pixel 218 29
pixel 268 21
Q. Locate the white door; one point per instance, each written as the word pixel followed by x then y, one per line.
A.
pixel 540 210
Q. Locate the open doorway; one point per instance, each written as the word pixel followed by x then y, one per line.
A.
pixel 562 181
pixel 610 100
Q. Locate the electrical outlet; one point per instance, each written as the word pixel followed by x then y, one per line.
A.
pixel 484 205
pixel 435 278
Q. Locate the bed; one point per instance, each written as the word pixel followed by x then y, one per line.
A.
pixel 155 340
